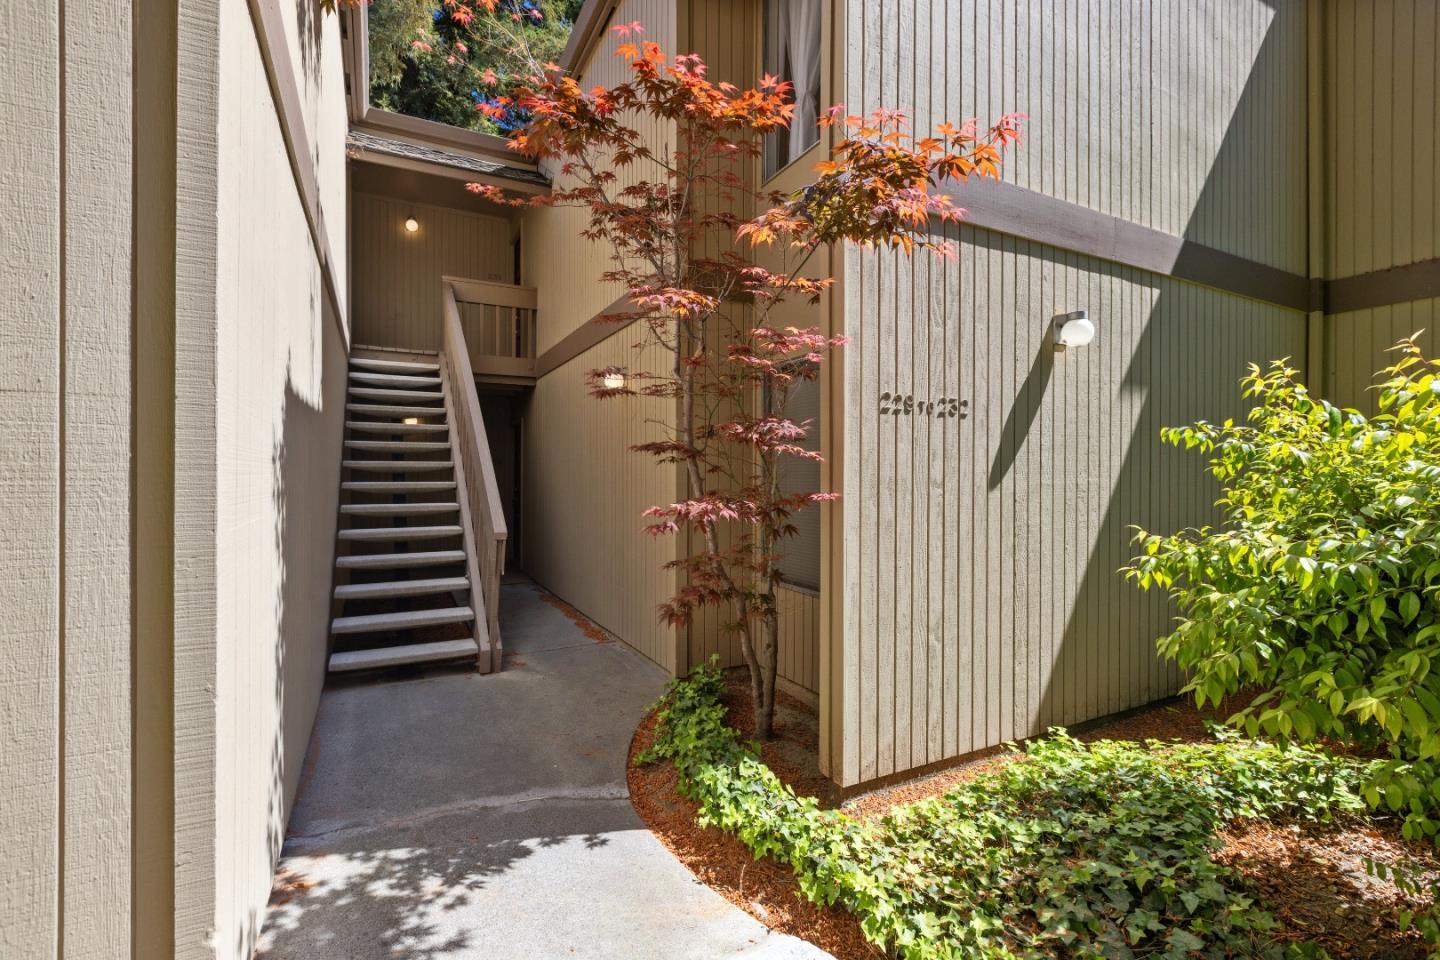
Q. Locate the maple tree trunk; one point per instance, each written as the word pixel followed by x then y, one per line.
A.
pixel 768 658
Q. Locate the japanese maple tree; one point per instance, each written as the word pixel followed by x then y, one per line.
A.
pixel 684 224
pixel 682 221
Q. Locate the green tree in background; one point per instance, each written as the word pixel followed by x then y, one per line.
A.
pixel 440 61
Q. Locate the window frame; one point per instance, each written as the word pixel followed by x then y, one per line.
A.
pixel 767 179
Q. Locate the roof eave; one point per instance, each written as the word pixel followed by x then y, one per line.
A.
pixel 589 28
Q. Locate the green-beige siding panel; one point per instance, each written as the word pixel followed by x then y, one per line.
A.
pixel 1185 117
pixel 1382 107
pixel 65 488
pixel 1358 344
pixel 564 267
pixel 585 489
pixel 983 602
pixel 397 273
pixel 1382 176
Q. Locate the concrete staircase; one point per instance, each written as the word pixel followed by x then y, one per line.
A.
pixel 404 561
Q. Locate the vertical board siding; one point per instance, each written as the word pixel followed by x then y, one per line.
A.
pixel 1185 117
pixel 584 493
pixel 584 489
pixel 65 715
pixel 96 459
pixel 1358 344
pixel 1022 511
pixel 396 283
pixel 1382 176
pixel 799 659
pixel 31 337
pixel 563 266
pixel 982 601
pixel 1382 97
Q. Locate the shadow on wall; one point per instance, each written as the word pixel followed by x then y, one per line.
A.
pixel 310 24
pixel 304 486
pixel 1185 365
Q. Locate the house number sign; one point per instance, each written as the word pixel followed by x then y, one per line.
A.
pixel 906 405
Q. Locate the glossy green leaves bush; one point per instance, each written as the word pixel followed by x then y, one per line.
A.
pixel 1321 588
pixel 1075 850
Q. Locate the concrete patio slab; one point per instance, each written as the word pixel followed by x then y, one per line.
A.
pixel 451 815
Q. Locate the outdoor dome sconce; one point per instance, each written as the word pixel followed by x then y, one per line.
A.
pixel 411 224
pixel 1073 329
pixel 613 380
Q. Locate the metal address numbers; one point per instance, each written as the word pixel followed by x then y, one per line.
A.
pixel 905 405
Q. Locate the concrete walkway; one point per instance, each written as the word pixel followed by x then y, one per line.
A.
pixel 451 815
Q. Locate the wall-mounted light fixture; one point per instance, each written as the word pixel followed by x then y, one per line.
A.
pixel 411 224
pixel 412 421
pixel 1073 329
pixel 613 380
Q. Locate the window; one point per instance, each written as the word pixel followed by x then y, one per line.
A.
pixel 800 554
pixel 792 52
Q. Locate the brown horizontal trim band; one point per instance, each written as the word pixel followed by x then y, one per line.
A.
pixel 1384 288
pixel 1006 208
pixel 280 71
pixel 588 335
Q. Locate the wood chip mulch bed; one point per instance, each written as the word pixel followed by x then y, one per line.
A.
pixel 1311 877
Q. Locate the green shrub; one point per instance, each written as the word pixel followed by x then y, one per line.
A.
pixel 1075 851
pixel 1321 589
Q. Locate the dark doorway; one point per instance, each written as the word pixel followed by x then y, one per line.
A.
pixel 503 412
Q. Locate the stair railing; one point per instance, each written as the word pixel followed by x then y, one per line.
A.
pixel 474 470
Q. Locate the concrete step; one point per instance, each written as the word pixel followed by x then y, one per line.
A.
pixel 393 366
pixel 380 426
pixel 395 561
pixel 400 446
pixel 401 588
pixel 396 410
pixel 400 533
pixel 404 620
pixel 396 466
pixel 397 656
pixel 407 396
pixel 397 509
pixel 397 486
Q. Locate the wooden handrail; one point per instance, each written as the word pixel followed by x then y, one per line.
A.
pixel 472 457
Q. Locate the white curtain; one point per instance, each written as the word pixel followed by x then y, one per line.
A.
pixel 800 36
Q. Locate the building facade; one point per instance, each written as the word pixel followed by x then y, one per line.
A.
pixel 213 219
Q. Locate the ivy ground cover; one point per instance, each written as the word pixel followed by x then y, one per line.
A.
pixel 1102 849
